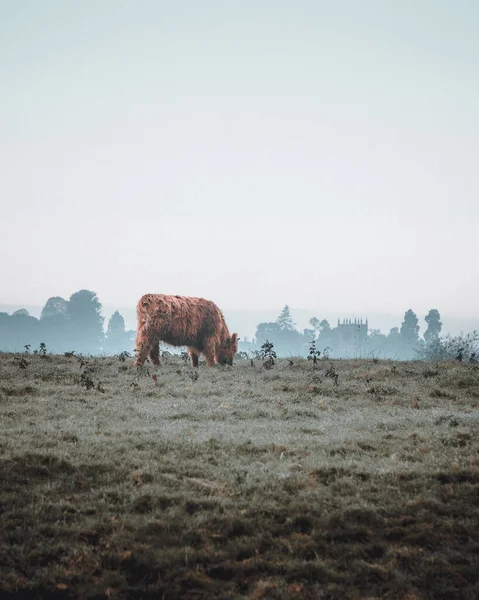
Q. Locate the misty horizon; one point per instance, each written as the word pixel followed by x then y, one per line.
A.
pixel 317 154
pixel 245 321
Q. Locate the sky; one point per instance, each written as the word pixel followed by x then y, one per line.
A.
pixel 312 153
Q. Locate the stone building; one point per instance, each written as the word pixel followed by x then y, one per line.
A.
pixel 351 337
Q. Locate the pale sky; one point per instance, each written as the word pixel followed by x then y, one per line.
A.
pixel 323 154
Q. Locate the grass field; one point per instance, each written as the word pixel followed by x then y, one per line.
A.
pixel 354 479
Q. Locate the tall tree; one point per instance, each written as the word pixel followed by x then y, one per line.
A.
pixel 285 320
pixel 410 327
pixel 55 324
pixel 84 311
pixel 434 326
pixel 283 334
pixel 116 324
pixel 55 307
pixel 18 330
pixel 117 339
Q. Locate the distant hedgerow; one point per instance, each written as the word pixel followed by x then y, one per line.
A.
pixel 463 347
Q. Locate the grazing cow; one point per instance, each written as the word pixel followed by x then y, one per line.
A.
pixel 183 321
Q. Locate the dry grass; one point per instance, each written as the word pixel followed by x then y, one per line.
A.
pixel 240 483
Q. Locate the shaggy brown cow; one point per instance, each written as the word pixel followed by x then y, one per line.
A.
pixel 182 321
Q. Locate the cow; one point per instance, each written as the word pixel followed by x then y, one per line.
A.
pixel 183 321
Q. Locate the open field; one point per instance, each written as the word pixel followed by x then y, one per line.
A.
pixel 355 479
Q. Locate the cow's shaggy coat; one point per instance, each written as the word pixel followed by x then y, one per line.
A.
pixel 183 321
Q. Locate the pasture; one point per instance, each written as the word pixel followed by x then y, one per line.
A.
pixel 348 479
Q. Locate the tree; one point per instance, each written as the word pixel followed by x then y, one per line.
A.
pixel 287 340
pixel 409 336
pixel 18 330
pixel 267 331
pixel 116 324
pixel 117 339
pixel 434 326
pixel 84 311
pixel 410 328
pixel 314 322
pixel 325 327
pixel 55 324
pixel 376 344
pixel 285 320
pixel 56 307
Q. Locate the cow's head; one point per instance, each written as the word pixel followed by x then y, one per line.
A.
pixel 228 349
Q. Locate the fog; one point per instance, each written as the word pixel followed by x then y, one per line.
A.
pixel 246 321
pixel 317 154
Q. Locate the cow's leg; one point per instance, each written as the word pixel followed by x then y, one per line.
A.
pixel 142 346
pixel 194 356
pixel 147 343
pixel 209 351
pixel 155 353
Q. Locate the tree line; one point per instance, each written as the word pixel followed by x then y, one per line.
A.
pixel 69 325
pixel 77 325
pixel 353 339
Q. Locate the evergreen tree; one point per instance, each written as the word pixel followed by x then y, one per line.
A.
pixel 117 339
pixel 116 324
pixel 434 326
pixel 285 320
pixel 410 328
pixel 286 339
pixel 289 340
